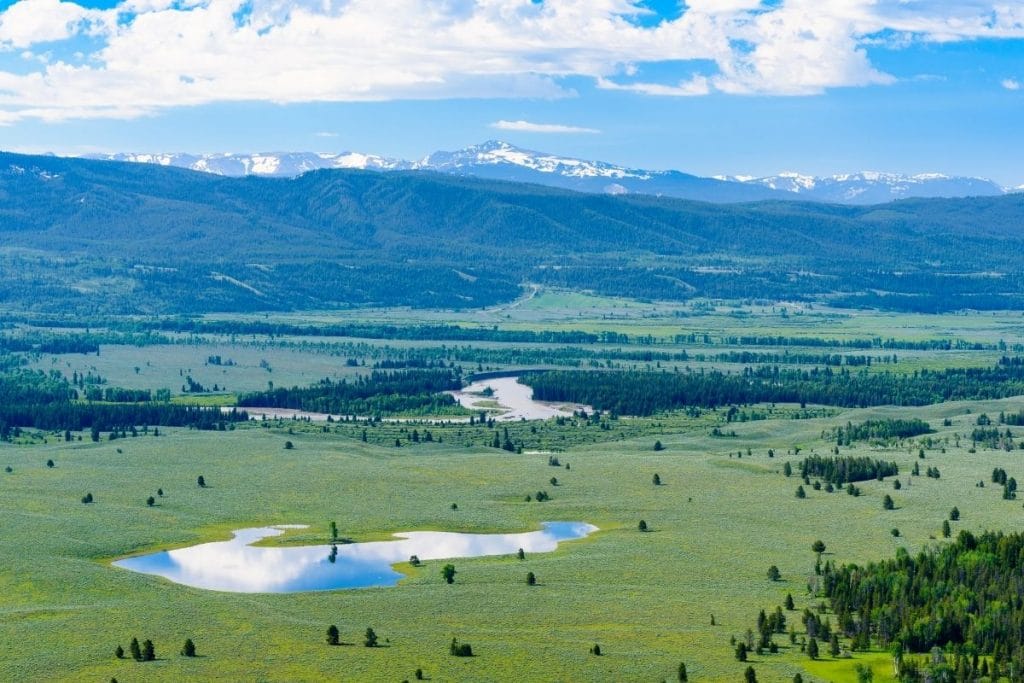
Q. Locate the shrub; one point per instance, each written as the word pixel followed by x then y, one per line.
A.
pixel 458 649
pixel 201 481
pixel 448 573
pixel 531 579
pixel 642 526
pixel 656 479
pixel 658 446
pixel 370 639
pixel 332 635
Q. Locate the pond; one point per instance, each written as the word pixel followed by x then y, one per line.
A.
pixel 236 566
pixel 514 399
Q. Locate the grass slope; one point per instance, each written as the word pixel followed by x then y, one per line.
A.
pixel 647 599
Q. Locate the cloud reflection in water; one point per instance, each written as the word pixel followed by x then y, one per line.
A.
pixel 236 566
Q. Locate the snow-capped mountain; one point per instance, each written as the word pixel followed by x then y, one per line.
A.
pixel 871 187
pixel 501 161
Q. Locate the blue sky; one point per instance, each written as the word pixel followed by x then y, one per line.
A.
pixel 709 86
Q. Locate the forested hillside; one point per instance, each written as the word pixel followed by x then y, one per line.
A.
pixel 95 236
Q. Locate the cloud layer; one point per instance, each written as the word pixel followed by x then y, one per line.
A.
pixel 529 127
pixel 147 55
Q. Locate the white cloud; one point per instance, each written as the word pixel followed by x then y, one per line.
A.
pixel 528 127
pixel 325 134
pixel 697 85
pixel 156 54
pixel 1011 84
pixel 29 22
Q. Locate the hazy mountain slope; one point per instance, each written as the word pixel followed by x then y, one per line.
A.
pixel 135 237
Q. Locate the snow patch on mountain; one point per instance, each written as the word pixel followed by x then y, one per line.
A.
pixel 497 160
pixel 496 153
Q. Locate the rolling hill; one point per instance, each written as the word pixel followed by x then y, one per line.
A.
pixel 100 236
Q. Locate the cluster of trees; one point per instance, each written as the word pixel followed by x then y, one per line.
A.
pixel 644 393
pixel 880 430
pixel 118 395
pixel 959 596
pixel 846 469
pixel 144 653
pixel 993 437
pixel 381 392
pixel 49 402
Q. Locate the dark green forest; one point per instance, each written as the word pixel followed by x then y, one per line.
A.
pixel 965 596
pixel 101 237
pixel 645 393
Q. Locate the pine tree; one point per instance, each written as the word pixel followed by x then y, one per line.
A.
pixel 148 651
pixel 749 675
pixel 332 635
pixel 812 648
pixel 656 479
pixel 119 652
pixel 135 650
pixel 189 649
pixel 531 579
pixel 370 639
pixel 683 677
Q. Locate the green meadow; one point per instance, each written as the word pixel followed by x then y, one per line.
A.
pixel 724 514
pixel 716 523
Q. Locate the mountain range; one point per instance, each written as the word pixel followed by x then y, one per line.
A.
pixel 497 160
pixel 88 236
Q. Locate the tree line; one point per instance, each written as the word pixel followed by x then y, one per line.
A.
pixel 644 393
pixel 380 392
pixel 964 596
pixel 843 470
pixel 880 430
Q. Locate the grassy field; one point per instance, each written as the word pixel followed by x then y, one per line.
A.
pixel 716 524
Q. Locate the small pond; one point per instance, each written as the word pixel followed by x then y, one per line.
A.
pixel 236 566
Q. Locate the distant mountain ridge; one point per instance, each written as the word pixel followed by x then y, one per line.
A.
pixel 135 238
pixel 497 160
